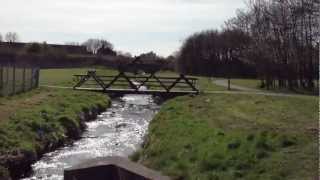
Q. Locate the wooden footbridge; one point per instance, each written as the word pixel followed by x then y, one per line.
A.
pixel 129 81
pixel 123 83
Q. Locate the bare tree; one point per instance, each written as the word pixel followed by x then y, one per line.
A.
pixel 1 38
pixel 93 45
pixel 284 34
pixel 106 44
pixel 11 37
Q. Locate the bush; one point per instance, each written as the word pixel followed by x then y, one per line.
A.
pixel 4 173
pixel 34 48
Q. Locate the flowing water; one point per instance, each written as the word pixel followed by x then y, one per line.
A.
pixel 117 132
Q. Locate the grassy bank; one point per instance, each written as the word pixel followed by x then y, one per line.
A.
pixel 39 121
pixel 234 137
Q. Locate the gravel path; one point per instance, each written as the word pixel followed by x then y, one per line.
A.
pixel 224 83
pixel 257 93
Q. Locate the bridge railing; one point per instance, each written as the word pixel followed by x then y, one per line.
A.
pixel 124 82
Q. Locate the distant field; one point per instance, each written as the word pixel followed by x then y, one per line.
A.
pixel 64 77
pixel 234 137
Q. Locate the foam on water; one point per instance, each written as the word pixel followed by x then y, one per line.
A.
pixel 118 131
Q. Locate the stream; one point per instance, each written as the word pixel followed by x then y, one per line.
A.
pixel 117 132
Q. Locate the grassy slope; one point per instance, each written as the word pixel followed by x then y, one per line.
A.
pixel 20 130
pixel 34 121
pixel 42 125
pixel 234 136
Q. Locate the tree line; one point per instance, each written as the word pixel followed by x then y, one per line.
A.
pixel 275 40
pixel 215 53
pixel 94 46
pixel 9 37
pixel 94 51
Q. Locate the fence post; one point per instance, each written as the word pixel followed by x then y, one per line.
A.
pixel 7 78
pixel 37 78
pixel 31 80
pixel 24 79
pixel 13 79
pixel 1 80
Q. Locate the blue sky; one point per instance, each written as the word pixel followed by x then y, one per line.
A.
pixel 133 26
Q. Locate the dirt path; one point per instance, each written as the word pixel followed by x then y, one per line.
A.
pixel 57 87
pixel 257 93
pixel 224 83
pixel 245 90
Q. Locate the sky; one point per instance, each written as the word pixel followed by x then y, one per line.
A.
pixel 134 26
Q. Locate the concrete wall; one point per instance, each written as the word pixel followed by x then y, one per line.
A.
pixel 111 168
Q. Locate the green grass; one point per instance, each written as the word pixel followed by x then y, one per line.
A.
pixel 234 137
pixel 64 77
pixel 248 83
pixel 205 84
pixel 42 119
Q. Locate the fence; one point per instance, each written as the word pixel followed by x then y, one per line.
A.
pixel 17 79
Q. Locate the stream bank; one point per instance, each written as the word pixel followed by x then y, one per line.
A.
pixel 119 131
pixel 58 119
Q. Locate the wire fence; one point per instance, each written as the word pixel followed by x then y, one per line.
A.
pixel 17 79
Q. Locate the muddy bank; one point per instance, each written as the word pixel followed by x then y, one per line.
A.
pixel 56 131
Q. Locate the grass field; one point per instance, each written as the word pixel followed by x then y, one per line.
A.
pixel 64 77
pixel 234 137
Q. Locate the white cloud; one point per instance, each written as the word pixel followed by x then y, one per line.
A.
pixel 133 25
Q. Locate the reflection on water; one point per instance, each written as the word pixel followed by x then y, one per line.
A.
pixel 118 131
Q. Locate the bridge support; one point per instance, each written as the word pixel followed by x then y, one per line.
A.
pixel 113 168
